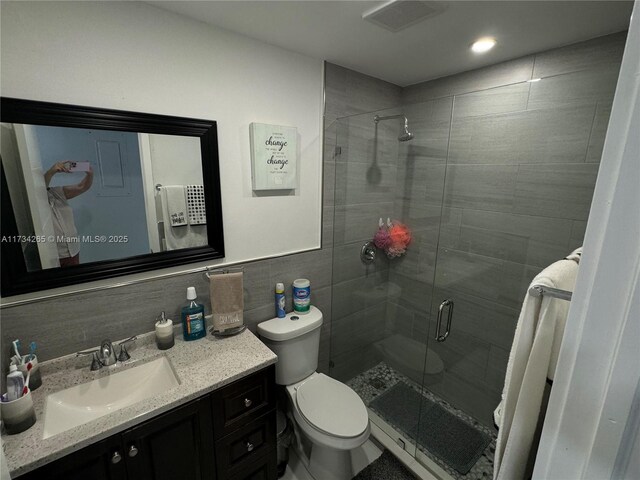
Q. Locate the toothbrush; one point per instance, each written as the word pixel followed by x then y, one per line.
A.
pixel 16 348
pixel 25 390
pixel 32 351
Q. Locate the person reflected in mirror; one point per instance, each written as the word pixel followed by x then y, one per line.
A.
pixel 64 226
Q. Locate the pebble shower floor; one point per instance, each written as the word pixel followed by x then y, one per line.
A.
pixel 377 380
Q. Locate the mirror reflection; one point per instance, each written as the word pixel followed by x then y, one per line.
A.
pixel 87 195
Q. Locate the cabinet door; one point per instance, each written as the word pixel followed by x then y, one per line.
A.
pixel 101 461
pixel 175 445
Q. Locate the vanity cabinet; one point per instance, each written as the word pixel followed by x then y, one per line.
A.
pixel 172 446
pixel 228 434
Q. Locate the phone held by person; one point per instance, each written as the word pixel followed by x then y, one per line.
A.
pixel 79 166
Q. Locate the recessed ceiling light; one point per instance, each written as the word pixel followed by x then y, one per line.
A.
pixel 483 44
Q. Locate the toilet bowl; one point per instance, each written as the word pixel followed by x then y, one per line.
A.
pixel 329 412
pixel 333 419
pixel 329 418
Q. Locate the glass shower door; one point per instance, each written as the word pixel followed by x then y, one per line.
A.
pixel 519 177
pixel 381 307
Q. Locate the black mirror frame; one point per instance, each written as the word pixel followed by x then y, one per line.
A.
pixel 15 279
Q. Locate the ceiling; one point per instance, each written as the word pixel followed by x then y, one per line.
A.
pixel 438 46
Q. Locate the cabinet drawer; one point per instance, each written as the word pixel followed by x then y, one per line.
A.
pixel 245 445
pixel 243 401
pixel 264 468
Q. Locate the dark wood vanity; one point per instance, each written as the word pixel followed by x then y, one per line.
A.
pixel 229 433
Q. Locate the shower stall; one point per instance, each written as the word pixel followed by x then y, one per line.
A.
pixel 494 184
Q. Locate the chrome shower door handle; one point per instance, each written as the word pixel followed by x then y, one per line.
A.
pixel 447 303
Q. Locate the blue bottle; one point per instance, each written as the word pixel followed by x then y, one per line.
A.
pixel 193 322
pixel 280 301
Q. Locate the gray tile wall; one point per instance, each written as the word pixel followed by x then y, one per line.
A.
pixel 365 175
pixel 67 324
pixel 521 164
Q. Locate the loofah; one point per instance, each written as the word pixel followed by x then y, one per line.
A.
pixel 392 237
pixel 382 239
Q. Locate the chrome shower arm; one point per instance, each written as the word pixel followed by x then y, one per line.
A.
pixel 378 118
pixel 404 135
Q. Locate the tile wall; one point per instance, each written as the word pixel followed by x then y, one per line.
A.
pixel 521 164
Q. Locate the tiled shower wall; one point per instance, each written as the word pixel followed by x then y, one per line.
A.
pixel 363 193
pixel 521 164
pixel 67 324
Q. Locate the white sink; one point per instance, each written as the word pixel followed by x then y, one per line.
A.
pixel 82 403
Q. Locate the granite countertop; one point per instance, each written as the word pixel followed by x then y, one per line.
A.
pixel 201 366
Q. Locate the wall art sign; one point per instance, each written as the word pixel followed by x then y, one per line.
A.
pixel 274 157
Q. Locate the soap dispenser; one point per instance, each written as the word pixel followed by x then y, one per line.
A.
pixel 164 333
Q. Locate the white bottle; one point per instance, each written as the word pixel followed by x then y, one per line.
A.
pixel 15 383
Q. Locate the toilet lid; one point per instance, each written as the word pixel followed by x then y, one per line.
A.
pixel 332 407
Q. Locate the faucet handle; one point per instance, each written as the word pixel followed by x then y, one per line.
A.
pixel 96 364
pixel 123 356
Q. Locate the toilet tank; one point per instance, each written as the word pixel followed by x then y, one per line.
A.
pixel 295 339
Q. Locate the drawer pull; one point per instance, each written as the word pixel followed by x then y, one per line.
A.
pixel 133 451
pixel 250 447
pixel 116 457
pixel 247 402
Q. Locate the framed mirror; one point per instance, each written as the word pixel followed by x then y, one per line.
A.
pixel 90 193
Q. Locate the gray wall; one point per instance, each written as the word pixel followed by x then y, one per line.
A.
pixel 356 208
pixel 67 324
pixel 521 160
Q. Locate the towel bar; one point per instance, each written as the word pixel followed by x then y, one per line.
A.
pixel 540 290
pixel 223 270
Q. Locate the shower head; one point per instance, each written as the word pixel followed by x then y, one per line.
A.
pixel 405 135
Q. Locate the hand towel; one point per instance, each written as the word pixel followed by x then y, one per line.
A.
pixel 183 235
pixel 227 300
pixel 533 359
pixel 176 205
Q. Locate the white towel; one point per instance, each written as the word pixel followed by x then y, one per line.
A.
pixel 575 255
pixel 174 205
pixel 533 359
pixel 179 235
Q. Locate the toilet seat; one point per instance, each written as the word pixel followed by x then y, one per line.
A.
pixel 332 407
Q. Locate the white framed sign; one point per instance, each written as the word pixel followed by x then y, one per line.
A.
pixel 274 156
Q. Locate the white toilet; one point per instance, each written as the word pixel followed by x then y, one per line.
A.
pixel 329 418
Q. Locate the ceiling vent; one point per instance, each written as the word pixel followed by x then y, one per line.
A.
pixel 397 15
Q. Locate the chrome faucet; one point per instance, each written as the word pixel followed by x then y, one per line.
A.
pixel 106 355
